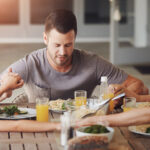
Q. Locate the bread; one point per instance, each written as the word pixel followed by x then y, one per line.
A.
pixel 88 143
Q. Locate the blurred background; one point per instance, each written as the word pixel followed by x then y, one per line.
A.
pixel 118 30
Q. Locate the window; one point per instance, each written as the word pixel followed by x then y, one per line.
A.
pixel 98 11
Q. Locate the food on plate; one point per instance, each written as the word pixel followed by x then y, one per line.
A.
pixel 142 128
pixel 80 112
pixel 143 104
pixel 12 110
pixel 88 143
pixel 57 104
pixel 102 111
pixel 96 129
pixel 148 130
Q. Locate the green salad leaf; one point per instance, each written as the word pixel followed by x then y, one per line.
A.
pixel 148 130
pixel 96 129
pixel 11 110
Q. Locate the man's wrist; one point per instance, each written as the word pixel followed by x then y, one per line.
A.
pixel 2 89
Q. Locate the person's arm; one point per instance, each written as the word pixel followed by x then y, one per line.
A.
pixel 114 88
pixel 118 76
pixel 9 81
pixel 133 117
pixel 143 98
pixel 135 85
pixel 27 126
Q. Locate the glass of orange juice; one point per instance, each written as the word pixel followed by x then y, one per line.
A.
pixel 80 97
pixel 129 103
pixel 42 112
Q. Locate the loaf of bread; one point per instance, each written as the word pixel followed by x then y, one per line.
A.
pixel 88 143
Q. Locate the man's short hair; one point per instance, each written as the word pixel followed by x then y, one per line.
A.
pixel 62 20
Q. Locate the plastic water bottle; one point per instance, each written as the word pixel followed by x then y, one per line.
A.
pixel 103 88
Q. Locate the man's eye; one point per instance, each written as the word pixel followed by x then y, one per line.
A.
pixel 68 45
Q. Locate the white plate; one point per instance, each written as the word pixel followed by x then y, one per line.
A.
pixel 133 129
pixel 31 113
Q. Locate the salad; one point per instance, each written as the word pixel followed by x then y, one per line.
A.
pixel 96 129
pixel 12 110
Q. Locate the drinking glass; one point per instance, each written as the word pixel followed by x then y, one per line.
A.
pixel 80 97
pixel 42 112
pixel 129 103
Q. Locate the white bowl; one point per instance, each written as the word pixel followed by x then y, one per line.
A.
pixel 109 135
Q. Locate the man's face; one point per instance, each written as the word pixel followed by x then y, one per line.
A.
pixel 60 47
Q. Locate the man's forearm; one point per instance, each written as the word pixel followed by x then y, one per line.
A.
pixel 28 126
pixel 144 98
pixel 133 117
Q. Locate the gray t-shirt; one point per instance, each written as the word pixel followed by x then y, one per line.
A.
pixel 42 80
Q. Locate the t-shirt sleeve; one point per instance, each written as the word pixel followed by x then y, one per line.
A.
pixel 19 67
pixel 113 73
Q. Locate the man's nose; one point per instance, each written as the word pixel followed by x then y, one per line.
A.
pixel 62 50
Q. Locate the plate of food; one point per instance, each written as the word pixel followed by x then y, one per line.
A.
pixel 140 129
pixel 13 112
pixel 57 106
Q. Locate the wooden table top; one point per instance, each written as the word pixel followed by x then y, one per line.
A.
pixel 122 140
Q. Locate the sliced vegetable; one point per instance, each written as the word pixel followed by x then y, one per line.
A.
pixel 23 112
pixel 63 106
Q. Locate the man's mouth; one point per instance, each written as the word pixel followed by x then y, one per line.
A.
pixel 61 58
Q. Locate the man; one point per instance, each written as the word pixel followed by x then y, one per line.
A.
pixel 58 70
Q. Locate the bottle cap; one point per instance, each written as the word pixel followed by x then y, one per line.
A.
pixel 103 79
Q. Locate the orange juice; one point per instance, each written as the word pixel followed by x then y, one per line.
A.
pixel 42 113
pixel 111 103
pixel 79 101
pixel 107 95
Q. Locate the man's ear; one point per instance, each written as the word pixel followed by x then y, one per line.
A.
pixel 45 38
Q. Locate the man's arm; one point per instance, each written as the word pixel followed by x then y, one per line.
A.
pixel 114 88
pixel 133 117
pixel 27 126
pixel 135 85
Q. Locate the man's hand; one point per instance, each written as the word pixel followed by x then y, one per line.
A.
pixel 135 85
pixel 114 88
pixel 11 81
